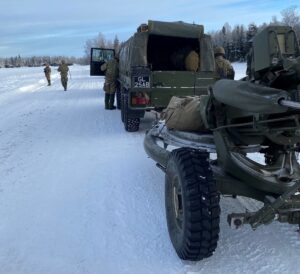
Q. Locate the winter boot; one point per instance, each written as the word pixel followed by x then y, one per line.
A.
pixel 107 97
pixel 111 101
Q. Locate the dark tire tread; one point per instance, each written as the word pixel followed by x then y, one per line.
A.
pixel 130 124
pixel 122 107
pixel 201 210
pixel 118 97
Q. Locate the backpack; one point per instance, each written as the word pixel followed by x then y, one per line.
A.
pixel 183 113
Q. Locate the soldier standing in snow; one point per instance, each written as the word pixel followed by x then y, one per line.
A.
pixel 111 69
pixel 63 69
pixel 224 69
pixel 47 71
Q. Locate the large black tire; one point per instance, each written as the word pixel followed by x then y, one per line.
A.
pixel 192 204
pixel 118 97
pixel 130 124
pixel 122 107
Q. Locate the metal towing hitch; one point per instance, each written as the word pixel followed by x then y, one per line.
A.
pixel 285 209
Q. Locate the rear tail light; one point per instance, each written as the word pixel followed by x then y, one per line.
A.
pixel 140 99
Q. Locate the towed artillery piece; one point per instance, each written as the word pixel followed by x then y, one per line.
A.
pixel 260 113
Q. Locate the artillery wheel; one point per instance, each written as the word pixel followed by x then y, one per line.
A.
pixel 192 204
pixel 130 124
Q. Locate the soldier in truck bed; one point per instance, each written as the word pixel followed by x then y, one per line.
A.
pixel 185 59
pixel 111 69
pixel 223 68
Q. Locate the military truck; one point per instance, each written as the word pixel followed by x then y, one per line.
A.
pixel 259 114
pixel 152 67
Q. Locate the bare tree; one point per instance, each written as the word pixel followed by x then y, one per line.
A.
pixel 116 44
pixel 98 42
pixel 275 21
pixel 290 16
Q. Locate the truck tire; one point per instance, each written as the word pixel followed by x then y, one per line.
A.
pixel 130 124
pixel 118 97
pixel 192 204
pixel 122 107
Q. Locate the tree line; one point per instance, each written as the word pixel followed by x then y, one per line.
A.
pixel 37 61
pixel 237 40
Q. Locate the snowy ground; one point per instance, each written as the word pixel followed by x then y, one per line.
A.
pixel 79 195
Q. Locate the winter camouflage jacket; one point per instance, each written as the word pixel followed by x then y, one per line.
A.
pixel 111 69
pixel 224 69
pixel 63 69
pixel 192 61
pixel 47 70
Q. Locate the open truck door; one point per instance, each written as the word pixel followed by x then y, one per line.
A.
pixel 98 57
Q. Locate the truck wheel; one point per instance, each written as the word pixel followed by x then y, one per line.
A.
pixel 118 97
pixel 192 204
pixel 130 124
pixel 122 107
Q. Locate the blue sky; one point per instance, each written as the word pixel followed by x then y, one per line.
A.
pixel 61 27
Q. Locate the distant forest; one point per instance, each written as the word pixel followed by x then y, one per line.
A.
pixel 37 61
pixel 236 40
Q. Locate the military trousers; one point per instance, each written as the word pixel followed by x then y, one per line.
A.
pixel 64 82
pixel 109 100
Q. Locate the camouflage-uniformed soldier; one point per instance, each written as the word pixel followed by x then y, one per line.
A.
pixel 63 69
pixel 111 69
pixel 47 71
pixel 224 69
pixel 191 61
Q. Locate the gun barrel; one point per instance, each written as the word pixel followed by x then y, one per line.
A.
pixel 290 104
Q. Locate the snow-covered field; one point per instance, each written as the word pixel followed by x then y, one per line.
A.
pixel 79 195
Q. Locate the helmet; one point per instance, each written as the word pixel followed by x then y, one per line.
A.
pixel 219 50
pixel 142 28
